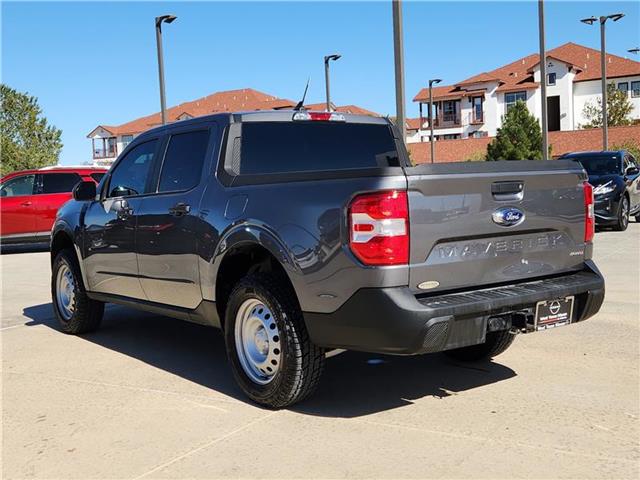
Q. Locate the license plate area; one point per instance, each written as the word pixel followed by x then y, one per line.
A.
pixel 553 313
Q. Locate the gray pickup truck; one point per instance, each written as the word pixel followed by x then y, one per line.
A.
pixel 296 232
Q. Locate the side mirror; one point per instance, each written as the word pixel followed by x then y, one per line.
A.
pixel 84 191
pixel 632 171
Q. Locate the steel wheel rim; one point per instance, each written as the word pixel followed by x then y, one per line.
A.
pixel 257 341
pixel 625 211
pixel 65 292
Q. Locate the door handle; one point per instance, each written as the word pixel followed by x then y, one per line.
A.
pixel 26 204
pixel 180 209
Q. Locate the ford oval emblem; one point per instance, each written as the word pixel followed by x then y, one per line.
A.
pixel 508 216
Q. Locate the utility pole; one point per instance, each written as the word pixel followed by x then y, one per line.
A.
pixel 603 69
pixel 543 82
pixel 432 140
pixel 163 103
pixel 327 59
pixel 398 52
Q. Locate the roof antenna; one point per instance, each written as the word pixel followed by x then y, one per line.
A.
pixel 300 105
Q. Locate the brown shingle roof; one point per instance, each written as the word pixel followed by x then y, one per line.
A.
pixel 229 101
pixel 518 75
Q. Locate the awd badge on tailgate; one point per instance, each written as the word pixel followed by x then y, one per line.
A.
pixel 508 216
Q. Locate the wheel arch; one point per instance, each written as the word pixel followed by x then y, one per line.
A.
pixel 251 256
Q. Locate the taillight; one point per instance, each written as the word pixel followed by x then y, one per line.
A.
pixel 589 216
pixel 379 228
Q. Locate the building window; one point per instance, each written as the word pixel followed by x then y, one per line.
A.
pixel 479 134
pixel 511 98
pixel 451 136
pixel 104 147
pixel 450 111
pixel 551 78
pixel 623 87
pixel 126 140
pixel 635 89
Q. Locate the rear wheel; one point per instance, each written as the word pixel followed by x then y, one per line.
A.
pixel 623 215
pixel 495 344
pixel 272 358
pixel 75 311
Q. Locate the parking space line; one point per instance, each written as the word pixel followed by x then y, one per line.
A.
pixel 206 445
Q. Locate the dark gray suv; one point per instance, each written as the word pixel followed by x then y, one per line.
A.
pixel 297 232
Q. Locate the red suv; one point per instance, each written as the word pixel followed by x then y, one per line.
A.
pixel 30 199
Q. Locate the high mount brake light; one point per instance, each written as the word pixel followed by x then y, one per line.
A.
pixel 589 215
pixel 379 227
pixel 319 116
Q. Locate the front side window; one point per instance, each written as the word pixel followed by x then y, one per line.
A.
pixel 182 166
pixel 635 89
pixel 287 147
pixel 511 98
pixel 129 176
pixel 623 87
pixel 59 182
pixel 14 187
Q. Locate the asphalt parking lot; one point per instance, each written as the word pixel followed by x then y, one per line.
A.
pixel 152 397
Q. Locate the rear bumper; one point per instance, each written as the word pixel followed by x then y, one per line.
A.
pixel 393 320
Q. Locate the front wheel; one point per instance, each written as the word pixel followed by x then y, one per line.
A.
pixel 75 311
pixel 623 215
pixel 272 358
pixel 495 344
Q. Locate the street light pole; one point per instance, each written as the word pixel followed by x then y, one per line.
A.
pixel 398 53
pixel 431 139
pixel 327 59
pixel 159 21
pixel 603 70
pixel 543 82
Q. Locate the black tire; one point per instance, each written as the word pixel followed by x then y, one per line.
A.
pixel 495 344
pixel 301 362
pixel 87 313
pixel 637 217
pixel 623 215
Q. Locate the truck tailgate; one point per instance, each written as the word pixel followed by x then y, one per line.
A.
pixel 456 242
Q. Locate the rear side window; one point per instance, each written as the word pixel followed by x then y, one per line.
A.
pixel 286 147
pixel 182 166
pixel 129 176
pixel 59 182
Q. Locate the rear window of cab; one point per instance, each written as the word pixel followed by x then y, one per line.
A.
pixel 289 147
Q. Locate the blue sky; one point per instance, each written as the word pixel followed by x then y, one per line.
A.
pixel 95 63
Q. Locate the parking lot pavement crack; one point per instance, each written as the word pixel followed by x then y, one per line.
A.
pixel 204 446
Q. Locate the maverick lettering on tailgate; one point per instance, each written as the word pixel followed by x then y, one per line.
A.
pixel 490 248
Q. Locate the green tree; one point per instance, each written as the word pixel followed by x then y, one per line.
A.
pixel 631 146
pixel 519 138
pixel 619 109
pixel 26 138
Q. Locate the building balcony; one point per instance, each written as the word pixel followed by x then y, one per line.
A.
pixel 104 147
pixel 445 120
pixel 104 153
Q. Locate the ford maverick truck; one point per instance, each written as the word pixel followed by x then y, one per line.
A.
pixel 298 232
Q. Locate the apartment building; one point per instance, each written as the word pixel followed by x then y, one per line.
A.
pixel 108 141
pixel 474 107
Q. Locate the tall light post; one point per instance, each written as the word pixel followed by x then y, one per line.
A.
pixel 432 143
pixel 603 67
pixel 398 54
pixel 327 59
pixel 543 82
pixel 159 21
